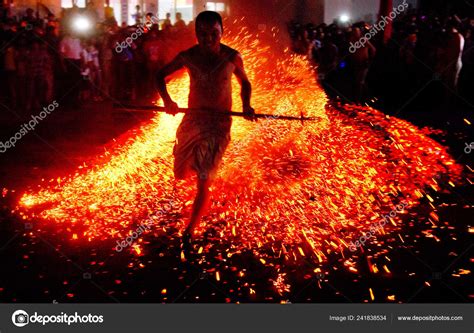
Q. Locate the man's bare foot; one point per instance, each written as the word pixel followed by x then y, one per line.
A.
pixel 189 232
pixel 187 240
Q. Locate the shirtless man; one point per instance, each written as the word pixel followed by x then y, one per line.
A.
pixel 204 135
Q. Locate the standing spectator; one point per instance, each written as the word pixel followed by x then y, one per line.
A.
pixel 450 56
pixel 40 71
pixel 302 45
pixel 166 22
pixel 327 58
pixel 154 53
pixel 70 49
pixel 8 34
pixel 360 62
pixel 466 77
pixel 10 74
pixel 29 18
pixel 138 16
pixel 125 70
pixel 316 44
pixel 140 68
pixel 179 25
pixel 109 20
pixel 52 46
pixel 107 58
pixel 52 22
pixel 91 72
pixel 150 23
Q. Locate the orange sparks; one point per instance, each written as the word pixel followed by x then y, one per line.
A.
pixel 283 188
pixel 371 294
pixel 280 284
pixel 137 249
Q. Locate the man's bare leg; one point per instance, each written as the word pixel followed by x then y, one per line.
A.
pixel 199 206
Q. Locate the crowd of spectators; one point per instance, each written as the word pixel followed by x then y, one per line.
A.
pixel 44 57
pixel 426 57
pixel 47 58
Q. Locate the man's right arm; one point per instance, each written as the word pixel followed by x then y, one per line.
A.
pixel 175 65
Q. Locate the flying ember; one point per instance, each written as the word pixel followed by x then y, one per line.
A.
pixel 286 189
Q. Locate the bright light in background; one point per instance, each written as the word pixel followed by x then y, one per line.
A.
pixel 215 6
pixel 344 18
pixel 68 3
pixel 81 24
pixel 185 7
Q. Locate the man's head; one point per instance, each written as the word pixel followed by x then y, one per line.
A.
pixel 452 25
pixel 356 33
pixel 209 30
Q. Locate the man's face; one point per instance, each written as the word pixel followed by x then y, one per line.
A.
pixel 209 35
pixel 357 33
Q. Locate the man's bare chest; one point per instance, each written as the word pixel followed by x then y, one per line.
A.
pixel 210 66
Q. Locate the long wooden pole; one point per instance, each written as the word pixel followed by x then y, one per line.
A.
pixel 154 108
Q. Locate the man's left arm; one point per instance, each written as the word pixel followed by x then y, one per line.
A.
pixel 246 87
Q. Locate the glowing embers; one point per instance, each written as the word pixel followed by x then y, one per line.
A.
pixel 286 190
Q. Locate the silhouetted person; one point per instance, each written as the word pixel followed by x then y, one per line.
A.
pixel 179 24
pixel 360 61
pixel 166 22
pixel 70 48
pixel 154 50
pixel 202 137
pixel 450 61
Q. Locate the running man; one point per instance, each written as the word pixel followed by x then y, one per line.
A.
pixel 203 134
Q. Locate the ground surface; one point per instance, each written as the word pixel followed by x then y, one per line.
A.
pixel 47 268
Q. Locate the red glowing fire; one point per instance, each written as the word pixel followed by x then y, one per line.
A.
pixel 285 189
